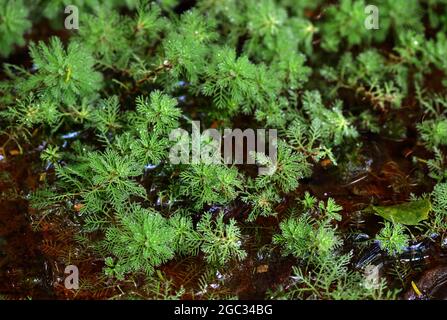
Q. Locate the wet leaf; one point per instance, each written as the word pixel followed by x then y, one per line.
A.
pixel 14 152
pixel 42 176
pixel 408 213
pixel 416 289
pixel 262 268
pixel 78 206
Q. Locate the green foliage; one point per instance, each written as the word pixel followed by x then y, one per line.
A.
pixel 235 83
pixel 292 70
pixel 106 117
pixel 392 238
pixel 308 201
pixel 324 272
pixel 438 220
pixel 98 180
pixel 290 167
pixel 434 132
pixel 186 45
pixel 306 239
pixel 439 195
pixel 149 148
pixel 262 201
pixel 209 184
pixel 63 76
pixel 161 288
pixel 30 112
pixel 219 242
pixel 411 48
pixel 147 20
pixel 110 175
pixel 432 104
pixel 140 241
pixel 51 154
pixel 52 8
pixel 332 280
pixel 159 112
pixel 436 49
pixel 265 19
pixel 318 129
pixel 183 229
pixel 437 166
pixel 351 15
pixel 383 83
pixel 331 209
pixel 295 237
pixel 400 15
pixel 307 138
pixel 332 125
pixel 14 23
pixel 102 33
pixel 345 22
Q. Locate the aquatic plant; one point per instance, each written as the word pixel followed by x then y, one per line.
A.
pixel 323 271
pixel 392 238
pixel 14 24
pixel 332 280
pixel 141 240
pixel 97 110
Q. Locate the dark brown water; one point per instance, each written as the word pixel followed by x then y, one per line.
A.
pixel 34 251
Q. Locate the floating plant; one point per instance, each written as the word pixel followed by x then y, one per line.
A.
pixel 223 149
